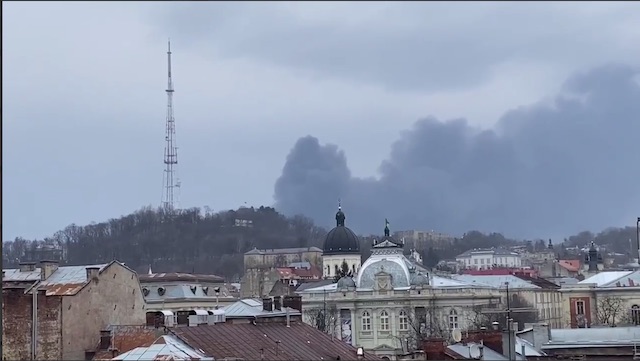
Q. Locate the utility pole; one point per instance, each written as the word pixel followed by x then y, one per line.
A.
pixel 170 150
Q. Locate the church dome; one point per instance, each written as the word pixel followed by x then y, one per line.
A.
pixel 346 282
pixel 341 240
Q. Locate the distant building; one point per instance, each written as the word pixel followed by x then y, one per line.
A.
pixel 260 273
pixel 618 343
pixel 73 303
pixel 253 330
pixel 616 294
pixel 543 296
pixel 182 294
pixel 488 258
pixel 384 306
pixel 423 239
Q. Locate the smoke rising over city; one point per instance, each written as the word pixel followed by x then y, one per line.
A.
pixel 561 165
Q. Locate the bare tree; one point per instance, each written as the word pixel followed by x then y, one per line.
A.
pixel 610 311
pixel 325 319
pixel 422 323
pixel 480 316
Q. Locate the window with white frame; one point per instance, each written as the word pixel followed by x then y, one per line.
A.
pixel 580 307
pixel 635 314
pixel 453 319
pixel 403 321
pixel 384 321
pixel 366 321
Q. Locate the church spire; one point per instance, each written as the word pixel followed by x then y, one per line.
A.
pixel 386 228
pixel 340 215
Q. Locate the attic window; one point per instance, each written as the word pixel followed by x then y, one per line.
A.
pixel 161 291
pixel 193 289
pixel 205 290
pixel 145 291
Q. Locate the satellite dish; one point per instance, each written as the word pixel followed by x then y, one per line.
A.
pixel 474 352
pixel 456 335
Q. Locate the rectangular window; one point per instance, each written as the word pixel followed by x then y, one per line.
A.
pixel 475 261
pixel 384 321
pixel 366 321
pixel 580 307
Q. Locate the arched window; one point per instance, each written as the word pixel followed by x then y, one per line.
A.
pixel 328 270
pixel 453 319
pixel 366 321
pixel 384 321
pixel 336 267
pixel 635 314
pixel 403 321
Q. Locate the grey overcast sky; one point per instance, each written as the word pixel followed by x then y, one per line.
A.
pixel 514 117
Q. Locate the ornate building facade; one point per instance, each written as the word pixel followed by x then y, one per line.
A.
pixel 388 306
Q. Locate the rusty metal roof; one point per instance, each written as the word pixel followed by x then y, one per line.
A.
pixel 68 280
pixel 267 341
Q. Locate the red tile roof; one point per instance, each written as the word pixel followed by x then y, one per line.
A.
pixel 298 342
pixel 570 265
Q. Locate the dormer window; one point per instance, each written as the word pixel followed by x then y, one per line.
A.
pixel 161 291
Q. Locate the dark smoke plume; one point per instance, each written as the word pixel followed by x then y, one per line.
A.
pixel 547 169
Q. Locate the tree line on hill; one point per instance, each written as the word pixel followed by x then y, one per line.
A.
pixel 191 240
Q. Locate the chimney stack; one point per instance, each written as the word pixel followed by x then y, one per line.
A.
pixel 267 304
pixel 92 272
pixel 277 303
pixel 294 302
pixel 47 268
pixel 27 266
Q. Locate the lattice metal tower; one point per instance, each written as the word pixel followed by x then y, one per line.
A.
pixel 171 183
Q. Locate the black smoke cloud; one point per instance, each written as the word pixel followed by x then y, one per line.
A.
pixel 553 168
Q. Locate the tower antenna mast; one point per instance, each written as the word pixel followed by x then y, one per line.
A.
pixel 170 185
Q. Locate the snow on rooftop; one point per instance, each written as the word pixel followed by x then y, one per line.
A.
pixel 496 281
pixel 604 278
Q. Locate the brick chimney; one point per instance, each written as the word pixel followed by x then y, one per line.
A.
pixel 294 302
pixel 92 272
pixel 47 268
pixel 434 348
pixel 27 266
pixel 267 304
pixel 491 338
pixel 277 303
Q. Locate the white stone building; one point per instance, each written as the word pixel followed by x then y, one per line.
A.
pixel 488 258
pixel 390 304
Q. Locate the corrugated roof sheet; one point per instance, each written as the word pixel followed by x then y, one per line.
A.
pixel 14 275
pixel 68 280
pixel 166 348
pixel 593 336
pixel 276 340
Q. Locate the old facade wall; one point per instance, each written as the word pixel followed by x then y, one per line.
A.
pixel 17 325
pixel 114 298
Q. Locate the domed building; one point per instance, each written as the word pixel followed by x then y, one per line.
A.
pixel 340 245
pixel 390 298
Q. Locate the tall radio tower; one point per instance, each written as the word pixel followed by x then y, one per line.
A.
pixel 171 186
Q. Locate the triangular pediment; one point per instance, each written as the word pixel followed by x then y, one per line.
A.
pixel 384 347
